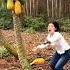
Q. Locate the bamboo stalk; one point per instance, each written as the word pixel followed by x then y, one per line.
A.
pixel 52 8
pixel 30 7
pixel 56 9
pixel 60 7
pixel 48 8
pixel 26 7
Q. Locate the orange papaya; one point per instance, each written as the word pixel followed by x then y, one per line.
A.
pixel 17 7
pixel 38 61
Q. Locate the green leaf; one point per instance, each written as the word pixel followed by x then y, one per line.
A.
pixel 22 1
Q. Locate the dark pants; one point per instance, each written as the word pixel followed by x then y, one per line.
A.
pixel 58 61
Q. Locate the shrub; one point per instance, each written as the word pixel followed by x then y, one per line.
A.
pixel 3 52
pixel 5 19
pixel 65 23
pixel 37 24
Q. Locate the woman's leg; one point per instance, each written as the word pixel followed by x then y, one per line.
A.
pixel 63 60
pixel 54 60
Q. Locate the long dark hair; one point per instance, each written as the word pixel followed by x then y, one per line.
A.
pixel 56 25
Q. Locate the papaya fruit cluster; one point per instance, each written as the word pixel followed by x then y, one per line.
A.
pixel 14 5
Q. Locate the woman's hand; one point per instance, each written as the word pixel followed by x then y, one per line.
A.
pixel 49 47
pixel 42 46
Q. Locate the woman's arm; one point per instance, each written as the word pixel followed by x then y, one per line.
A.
pixel 46 41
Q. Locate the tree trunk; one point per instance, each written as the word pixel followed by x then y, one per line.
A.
pixel 30 7
pixel 18 40
pixel 60 7
pixel 27 12
pixel 52 8
pixel 37 8
pixel 33 8
pixel 56 9
pixel 48 8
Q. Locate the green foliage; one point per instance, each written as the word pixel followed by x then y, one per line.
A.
pixel 65 23
pixel 29 24
pixel 30 30
pixel 36 24
pixel 22 1
pixel 3 52
pixel 5 19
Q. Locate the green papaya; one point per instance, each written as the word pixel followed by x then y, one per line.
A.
pixel 10 4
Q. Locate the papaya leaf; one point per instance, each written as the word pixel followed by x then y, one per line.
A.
pixel 22 1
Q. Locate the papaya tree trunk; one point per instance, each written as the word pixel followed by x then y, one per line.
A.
pixel 9 47
pixel 18 40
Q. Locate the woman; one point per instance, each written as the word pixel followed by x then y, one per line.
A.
pixel 56 40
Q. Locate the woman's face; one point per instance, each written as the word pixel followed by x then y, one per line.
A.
pixel 51 28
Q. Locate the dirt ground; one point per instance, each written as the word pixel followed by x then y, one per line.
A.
pixel 30 40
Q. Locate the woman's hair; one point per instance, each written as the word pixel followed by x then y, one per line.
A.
pixel 56 25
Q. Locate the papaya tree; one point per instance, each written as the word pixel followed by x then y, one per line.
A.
pixel 21 51
pixel 20 47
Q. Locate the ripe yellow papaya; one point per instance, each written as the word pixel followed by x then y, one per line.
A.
pixel 17 7
pixel 10 4
pixel 38 61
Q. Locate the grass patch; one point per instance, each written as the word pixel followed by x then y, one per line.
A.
pixel 4 53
